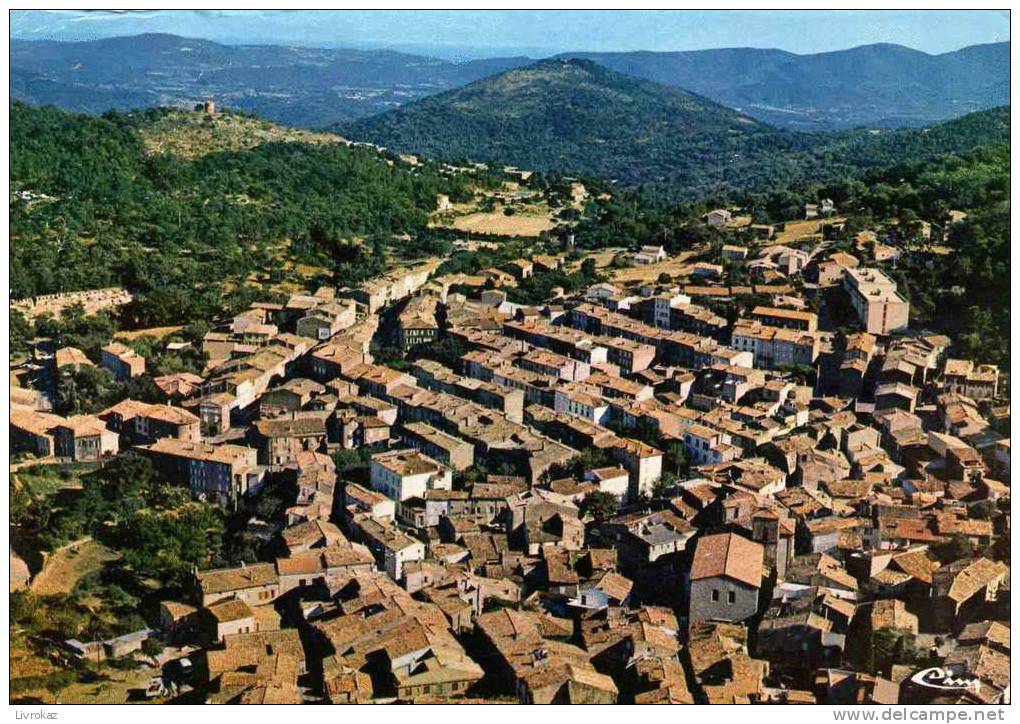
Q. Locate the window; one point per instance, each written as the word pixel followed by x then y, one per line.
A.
pixel 731 597
pixel 715 594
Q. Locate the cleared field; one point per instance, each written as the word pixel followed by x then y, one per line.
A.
pixel 190 135
pixel 116 687
pixel 65 566
pixel 804 228
pixel 157 332
pixel 603 258
pixel 496 222
pixel 42 478
pixel 650 273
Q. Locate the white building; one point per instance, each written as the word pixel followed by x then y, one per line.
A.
pixel 403 474
pixel 614 481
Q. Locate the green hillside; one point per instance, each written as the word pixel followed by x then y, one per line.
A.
pixel 95 205
pixel 574 116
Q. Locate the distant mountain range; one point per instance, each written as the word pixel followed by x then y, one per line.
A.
pixel 575 116
pixel 292 85
pixel 876 85
pixel 873 85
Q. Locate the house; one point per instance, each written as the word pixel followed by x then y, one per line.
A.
pixel 896 395
pixel 643 538
pixel 140 423
pixel 734 252
pixel 961 590
pixel 122 361
pixel 416 323
pixel 391 547
pixel 311 534
pixel 657 253
pixel 358 499
pixel 521 268
pixel 705 269
pixel 326 320
pixel 788 318
pixel 279 440
pixel 978 382
pixel 438 445
pixel 222 472
pixel 892 613
pixel 32 432
pixel 256 584
pixel 612 480
pixel 726 577
pixel 84 438
pixel 229 616
pixel 71 357
pixel 611 589
pixel 291 396
pixel 718 218
pixel 776 347
pixel 404 474
pixel 642 461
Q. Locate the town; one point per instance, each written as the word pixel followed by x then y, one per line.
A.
pixel 737 474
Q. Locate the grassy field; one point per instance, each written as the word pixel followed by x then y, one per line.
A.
pixel 673 266
pixel 803 229
pixel 523 223
pixel 114 686
pixel 157 332
pixel 44 479
pixel 66 566
pixel 188 134
pixel 114 690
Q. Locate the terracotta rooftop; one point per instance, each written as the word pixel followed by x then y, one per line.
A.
pixel 729 555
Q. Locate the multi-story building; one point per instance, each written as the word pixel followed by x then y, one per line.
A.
pixel 403 474
pixel 224 472
pixel 874 297
pixel 978 382
pixel 84 438
pixel 447 449
pixel 122 361
pixel 774 347
pixel 326 320
pixel 139 422
pixel 788 318
pixel 417 322
pixel 706 446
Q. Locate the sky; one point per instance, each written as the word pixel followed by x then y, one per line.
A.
pixel 477 33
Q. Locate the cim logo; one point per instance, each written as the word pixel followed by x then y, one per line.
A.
pixel 946 679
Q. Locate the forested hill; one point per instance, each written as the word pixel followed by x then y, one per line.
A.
pixel 95 204
pixel 574 116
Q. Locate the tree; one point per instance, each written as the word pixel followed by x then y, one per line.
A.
pixel 983 510
pixel 598 505
pixel 957 547
pixel 676 458
pixel 893 646
pixel 84 390
pixel 152 646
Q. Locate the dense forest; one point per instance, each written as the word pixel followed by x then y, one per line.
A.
pixel 92 207
pixel 576 117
